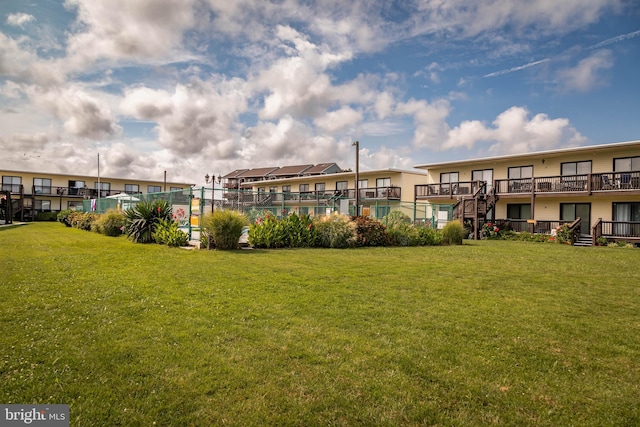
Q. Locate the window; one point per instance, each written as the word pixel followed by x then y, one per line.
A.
pixel 626 164
pixel 342 185
pixel 521 172
pixel 75 188
pixel 273 189
pixel 485 175
pixel 383 182
pixel 286 189
pixel 175 188
pixel 154 189
pixel 571 211
pixel 319 187
pixel 519 211
pixel 626 212
pixel 447 177
pixel 131 188
pixel 363 183
pixel 11 183
pixel 304 188
pixel 42 205
pixel 104 188
pixel 74 205
pixel 42 185
pixel 576 168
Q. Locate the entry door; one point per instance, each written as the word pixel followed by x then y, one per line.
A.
pixel 571 211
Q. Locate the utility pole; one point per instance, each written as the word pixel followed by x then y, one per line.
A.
pixel 357 145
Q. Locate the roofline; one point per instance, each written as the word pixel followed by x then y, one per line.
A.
pixel 597 147
pixel 337 174
pixel 77 175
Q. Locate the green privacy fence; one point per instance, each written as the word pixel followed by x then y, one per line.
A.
pixel 189 205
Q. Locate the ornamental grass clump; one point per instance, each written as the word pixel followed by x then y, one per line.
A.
pixel 452 233
pixel 335 231
pixel 224 228
pixel 110 223
pixel 292 231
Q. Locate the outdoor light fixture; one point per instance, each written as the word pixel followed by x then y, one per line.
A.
pixel 357 145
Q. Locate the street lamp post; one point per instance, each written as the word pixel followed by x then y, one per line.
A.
pixel 357 145
pixel 214 180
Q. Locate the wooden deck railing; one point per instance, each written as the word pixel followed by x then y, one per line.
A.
pixel 616 230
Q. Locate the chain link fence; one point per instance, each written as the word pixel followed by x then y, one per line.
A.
pixel 189 205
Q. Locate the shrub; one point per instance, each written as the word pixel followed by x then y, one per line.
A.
pixel 224 228
pixel 82 220
pixel 46 216
pixel 293 231
pixel 396 217
pixel 427 236
pixel 453 233
pixel 168 233
pixel 110 223
pixel 141 220
pixel 335 231
pixel 370 232
pixel 63 217
pixel 490 231
pixel 402 234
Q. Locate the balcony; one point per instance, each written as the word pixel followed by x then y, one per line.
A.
pixel 584 185
pixel 448 190
pixel 373 193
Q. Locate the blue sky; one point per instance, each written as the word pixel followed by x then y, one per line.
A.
pixel 209 86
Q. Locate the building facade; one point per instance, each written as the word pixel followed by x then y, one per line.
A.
pixel 31 193
pixel 324 188
pixel 599 185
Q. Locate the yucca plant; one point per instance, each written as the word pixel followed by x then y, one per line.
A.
pixel 143 218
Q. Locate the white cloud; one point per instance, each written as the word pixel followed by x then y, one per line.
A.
pixel 193 117
pixel 123 29
pixel 19 19
pixel 514 132
pixel 586 75
pixel 429 120
pixel 334 121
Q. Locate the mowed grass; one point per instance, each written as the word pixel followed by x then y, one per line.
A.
pixel 491 332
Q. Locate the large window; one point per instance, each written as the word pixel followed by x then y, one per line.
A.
pixel 304 188
pixel 320 187
pixel 42 185
pixel 342 185
pixel 286 189
pixel 485 175
pixel 363 183
pixel 519 211
pixel 627 211
pixel 42 205
pixel 154 189
pixel 383 182
pixel 104 188
pixel 11 183
pixel 448 177
pixel 520 172
pixel 626 164
pixel 576 168
pixel 75 188
pixel 131 188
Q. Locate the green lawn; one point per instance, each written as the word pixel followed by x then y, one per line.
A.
pixel 491 332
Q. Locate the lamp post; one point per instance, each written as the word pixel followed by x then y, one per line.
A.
pixel 357 145
pixel 214 180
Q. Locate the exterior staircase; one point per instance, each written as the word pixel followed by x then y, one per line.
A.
pixel 475 208
pixel 583 240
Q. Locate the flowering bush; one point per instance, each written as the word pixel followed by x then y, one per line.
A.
pixel 563 234
pixel 490 231
pixel 370 232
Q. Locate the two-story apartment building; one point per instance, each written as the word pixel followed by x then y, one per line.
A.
pixel 378 191
pixel 599 185
pixel 34 192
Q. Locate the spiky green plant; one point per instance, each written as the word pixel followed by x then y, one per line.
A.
pixel 143 218
pixel 225 227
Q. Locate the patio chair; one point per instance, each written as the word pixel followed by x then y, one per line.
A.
pixel 606 183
